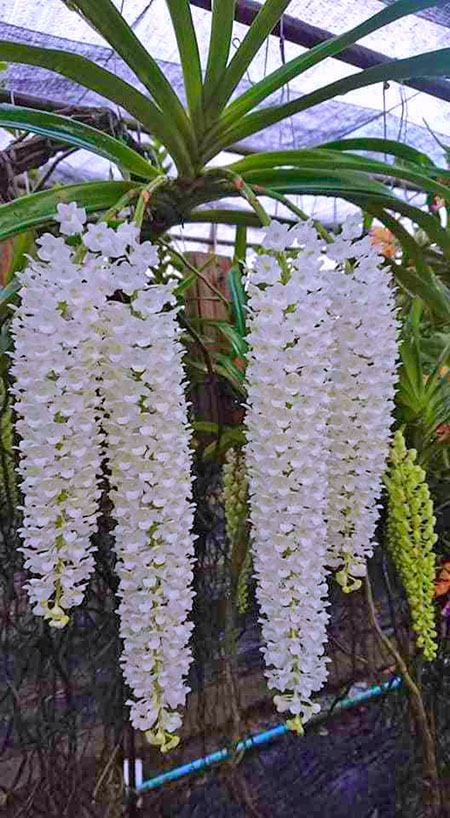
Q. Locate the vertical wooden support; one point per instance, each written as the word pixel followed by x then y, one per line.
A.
pixel 212 400
pixel 6 257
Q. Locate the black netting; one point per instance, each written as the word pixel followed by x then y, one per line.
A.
pixel 327 121
pixel 439 13
pixel 65 735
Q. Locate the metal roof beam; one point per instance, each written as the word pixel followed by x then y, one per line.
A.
pixel 301 33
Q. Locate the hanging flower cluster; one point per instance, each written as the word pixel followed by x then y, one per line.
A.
pixel 56 367
pixel 148 450
pixel 361 389
pixel 287 454
pixel 411 537
pixel 234 490
pixel 320 390
pixel 101 378
pixel 97 377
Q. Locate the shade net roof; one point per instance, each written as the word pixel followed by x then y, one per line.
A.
pixel 394 111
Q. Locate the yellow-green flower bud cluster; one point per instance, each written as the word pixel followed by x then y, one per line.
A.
pixel 411 537
pixel 347 577
pixel 242 584
pixel 235 486
pixel 8 486
pixel 234 491
pixel 163 739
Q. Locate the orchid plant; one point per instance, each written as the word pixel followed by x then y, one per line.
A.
pixel 105 372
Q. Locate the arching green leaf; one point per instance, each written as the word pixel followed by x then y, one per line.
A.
pixel 76 133
pixel 386 146
pixel 8 294
pixel 90 75
pixel 39 209
pixel 180 13
pixel 432 64
pixel 262 25
pixel 224 216
pixel 106 18
pixel 326 159
pixel 219 45
pixel 286 73
pixel 237 298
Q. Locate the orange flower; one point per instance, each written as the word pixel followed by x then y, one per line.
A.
pixel 443 372
pixel 443 579
pixel 443 433
pixel 383 237
pixel 438 201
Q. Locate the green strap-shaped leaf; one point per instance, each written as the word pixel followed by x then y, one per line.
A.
pixel 431 64
pixel 105 17
pixel 205 427
pixel 230 437
pixel 237 298
pixel 410 382
pixel 386 146
pixel 180 13
pixel 225 216
pixel 290 180
pixel 90 75
pixel 39 209
pixel 75 133
pixel 232 335
pixel 286 73
pixel 262 25
pixel 240 245
pixel 321 158
pixel 227 364
pixel 420 282
pixel 426 221
pixel 353 186
pixel 22 244
pixel 219 45
pixel 225 369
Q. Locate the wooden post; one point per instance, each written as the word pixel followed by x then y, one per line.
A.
pixel 212 401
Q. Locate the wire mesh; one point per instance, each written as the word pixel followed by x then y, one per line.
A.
pixel 64 732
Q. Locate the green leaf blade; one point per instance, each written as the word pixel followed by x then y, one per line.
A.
pixel 421 281
pixel 76 133
pixel 106 18
pixel 386 146
pixel 238 299
pixel 180 13
pixel 243 218
pixel 333 160
pixel 432 64
pixel 8 294
pixel 261 27
pixel 332 47
pixel 219 45
pixel 39 209
pixel 232 334
pixel 88 74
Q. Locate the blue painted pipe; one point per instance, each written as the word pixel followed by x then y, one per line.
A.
pixel 264 737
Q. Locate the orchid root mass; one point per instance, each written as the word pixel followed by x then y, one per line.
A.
pixel 99 380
